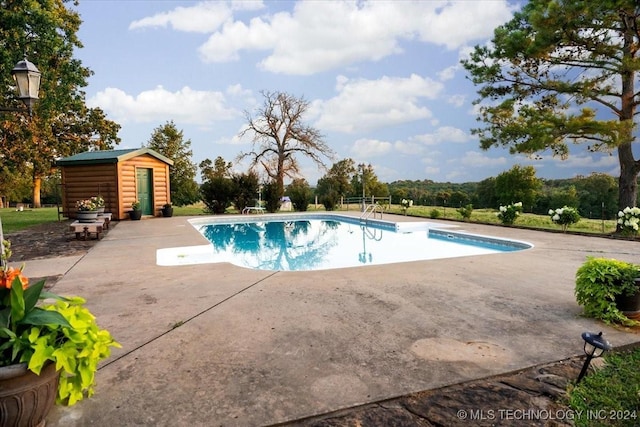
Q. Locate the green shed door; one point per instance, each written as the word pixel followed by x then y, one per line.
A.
pixel 144 179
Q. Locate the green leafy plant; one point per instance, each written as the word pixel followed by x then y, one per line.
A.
pixel 64 332
pixel 599 281
pixel 508 214
pixel 434 214
pixel 564 216
pixel 135 205
pixel 466 211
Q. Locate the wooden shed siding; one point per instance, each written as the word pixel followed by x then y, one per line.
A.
pixel 82 182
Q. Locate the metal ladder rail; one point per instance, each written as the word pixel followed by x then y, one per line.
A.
pixel 371 210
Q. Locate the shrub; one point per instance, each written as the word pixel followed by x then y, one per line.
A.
pixel 271 197
pixel 466 211
pixel 564 216
pixel 434 214
pixel 300 194
pixel 508 214
pixel 217 194
pixel 599 281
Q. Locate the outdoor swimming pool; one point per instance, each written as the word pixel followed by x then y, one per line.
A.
pixel 318 242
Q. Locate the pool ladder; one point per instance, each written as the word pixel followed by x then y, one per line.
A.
pixel 370 210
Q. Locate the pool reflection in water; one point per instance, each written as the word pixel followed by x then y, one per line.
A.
pixel 318 244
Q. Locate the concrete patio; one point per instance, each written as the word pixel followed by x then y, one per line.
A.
pixel 215 344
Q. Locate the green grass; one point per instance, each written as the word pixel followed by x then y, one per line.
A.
pixel 13 220
pixel 611 395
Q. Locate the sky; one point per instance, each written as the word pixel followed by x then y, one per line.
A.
pixel 383 79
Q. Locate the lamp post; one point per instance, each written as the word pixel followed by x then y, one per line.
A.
pixel 594 346
pixel 27 78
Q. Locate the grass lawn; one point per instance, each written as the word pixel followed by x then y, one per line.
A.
pixel 611 395
pixel 13 220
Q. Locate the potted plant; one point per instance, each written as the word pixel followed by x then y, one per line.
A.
pixel 136 212
pixel 86 210
pixel 609 290
pixel 167 210
pixel 50 347
pixel 99 202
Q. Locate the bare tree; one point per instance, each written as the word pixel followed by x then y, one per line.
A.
pixel 279 136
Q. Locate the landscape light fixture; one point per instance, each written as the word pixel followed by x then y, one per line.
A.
pixel 594 346
pixel 27 78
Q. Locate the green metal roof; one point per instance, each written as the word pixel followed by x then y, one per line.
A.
pixel 109 156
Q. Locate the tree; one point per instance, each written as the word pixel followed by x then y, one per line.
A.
pixel 336 183
pixel 61 124
pixel 220 168
pixel 518 184
pixel 169 142
pixel 279 136
pixel 217 194
pixel 366 178
pixel 559 71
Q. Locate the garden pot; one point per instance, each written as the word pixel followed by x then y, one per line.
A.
pixel 629 305
pixel 167 211
pixel 100 210
pixel 27 398
pixel 135 215
pixel 87 216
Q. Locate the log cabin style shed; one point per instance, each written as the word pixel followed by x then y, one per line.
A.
pixel 120 177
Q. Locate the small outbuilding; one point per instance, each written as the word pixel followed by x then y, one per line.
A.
pixel 120 176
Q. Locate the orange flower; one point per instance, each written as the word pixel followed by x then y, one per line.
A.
pixel 6 278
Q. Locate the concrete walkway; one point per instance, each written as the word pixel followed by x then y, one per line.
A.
pixel 215 344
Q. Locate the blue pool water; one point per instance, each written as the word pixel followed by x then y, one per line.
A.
pixel 328 242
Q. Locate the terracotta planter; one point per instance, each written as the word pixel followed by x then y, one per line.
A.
pixel 87 216
pixel 27 398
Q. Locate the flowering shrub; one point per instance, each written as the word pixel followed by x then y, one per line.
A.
pixel 508 214
pixel 628 219
pixel 564 216
pixel 86 205
pixel 406 204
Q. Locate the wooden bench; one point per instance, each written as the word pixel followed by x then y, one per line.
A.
pixel 86 228
pixel 106 216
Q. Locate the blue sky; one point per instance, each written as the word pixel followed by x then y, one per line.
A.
pixel 383 78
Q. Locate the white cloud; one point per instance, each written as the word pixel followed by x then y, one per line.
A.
pixel 457 100
pixel 479 160
pixel 322 35
pixel 186 105
pixel 448 73
pixel 371 147
pixel 369 104
pixel 443 134
pixel 204 17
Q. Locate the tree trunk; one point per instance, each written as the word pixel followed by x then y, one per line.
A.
pixel 37 184
pixel 629 168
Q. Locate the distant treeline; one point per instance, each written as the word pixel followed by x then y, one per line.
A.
pixel 595 195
